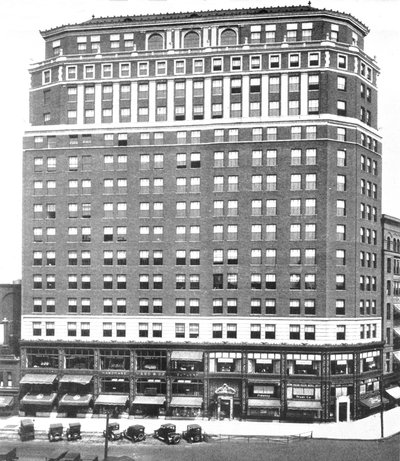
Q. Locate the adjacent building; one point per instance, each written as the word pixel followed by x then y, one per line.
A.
pixel 391 302
pixel 202 202
pixel 10 328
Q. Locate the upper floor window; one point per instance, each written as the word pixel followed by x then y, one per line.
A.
pixel 228 37
pixel 191 40
pixel 155 42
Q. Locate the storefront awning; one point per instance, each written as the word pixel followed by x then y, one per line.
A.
pixel 149 400
pixel 262 403
pixel 396 355
pixel 112 399
pixel 77 379
pixel 195 402
pixel 191 356
pixel 6 401
pixel 75 400
pixel 394 392
pixel 38 379
pixel 38 399
pixel 304 404
pixel 397 307
pixel 397 331
pixel 373 402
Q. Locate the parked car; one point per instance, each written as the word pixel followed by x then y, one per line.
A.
pixel 70 456
pixel 26 430
pixel 168 434
pixel 57 455
pixel 193 433
pixel 74 431
pixel 113 432
pixel 9 455
pixel 55 432
pixel 135 433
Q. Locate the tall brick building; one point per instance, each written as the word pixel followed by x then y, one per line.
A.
pixel 202 201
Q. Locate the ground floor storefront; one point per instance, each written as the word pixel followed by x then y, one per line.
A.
pixel 311 384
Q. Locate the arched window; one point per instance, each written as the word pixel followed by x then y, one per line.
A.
pixel 191 40
pixel 155 42
pixel 228 37
pixel 388 243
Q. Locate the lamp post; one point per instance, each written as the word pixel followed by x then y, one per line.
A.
pixel 106 437
pixel 382 404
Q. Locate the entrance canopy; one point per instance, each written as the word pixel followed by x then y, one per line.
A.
pixel 262 403
pixel 77 379
pixel 6 401
pixel 189 356
pixel 195 402
pixel 75 400
pixel 39 399
pixel 38 379
pixel 148 400
pixel 112 399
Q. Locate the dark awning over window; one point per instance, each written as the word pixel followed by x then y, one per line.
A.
pixel 149 400
pixel 373 402
pixel 112 399
pixel 39 399
pixel 75 400
pixel 190 356
pixel 6 401
pixel 304 405
pixel 195 402
pixel 262 403
pixel 77 379
pixel 38 379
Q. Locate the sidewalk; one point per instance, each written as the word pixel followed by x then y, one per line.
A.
pixel 367 428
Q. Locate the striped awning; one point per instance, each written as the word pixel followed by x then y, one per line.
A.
pixel 262 403
pixel 38 379
pixel 112 399
pixel 397 330
pixel 190 356
pixel 195 402
pixel 149 400
pixel 397 307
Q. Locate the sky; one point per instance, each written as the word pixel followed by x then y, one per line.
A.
pixel 21 45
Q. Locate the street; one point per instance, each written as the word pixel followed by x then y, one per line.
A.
pixel 154 450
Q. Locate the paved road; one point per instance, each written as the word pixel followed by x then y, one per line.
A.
pixel 154 450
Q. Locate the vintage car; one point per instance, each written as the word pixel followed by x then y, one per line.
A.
pixel 9 455
pixel 193 433
pixel 135 433
pixel 74 431
pixel 71 456
pixel 55 432
pixel 57 455
pixel 168 434
pixel 26 430
pixel 113 432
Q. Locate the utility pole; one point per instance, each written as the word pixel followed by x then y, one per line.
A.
pixel 106 437
pixel 381 391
